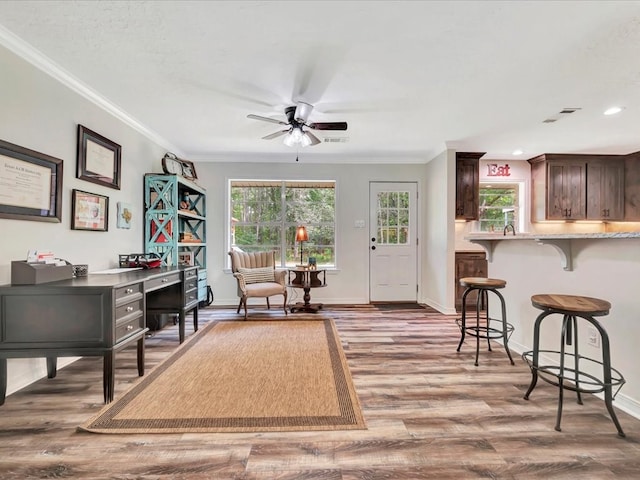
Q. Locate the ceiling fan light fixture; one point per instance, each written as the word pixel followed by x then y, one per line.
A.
pixel 303 110
pixel 289 140
pixel 305 141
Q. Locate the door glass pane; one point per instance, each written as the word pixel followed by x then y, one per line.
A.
pixel 393 218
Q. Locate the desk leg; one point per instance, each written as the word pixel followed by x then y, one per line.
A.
pixel 141 356
pixel 52 366
pixel 195 319
pixel 108 376
pixel 181 320
pixel 3 380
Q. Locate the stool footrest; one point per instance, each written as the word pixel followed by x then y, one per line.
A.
pixel 587 383
pixel 487 331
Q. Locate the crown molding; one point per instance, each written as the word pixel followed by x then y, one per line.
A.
pixel 36 58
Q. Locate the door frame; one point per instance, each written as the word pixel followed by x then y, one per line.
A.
pixel 418 222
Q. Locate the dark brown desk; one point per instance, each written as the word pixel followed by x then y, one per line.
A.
pixel 95 315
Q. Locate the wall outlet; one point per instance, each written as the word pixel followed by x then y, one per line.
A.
pixel 594 338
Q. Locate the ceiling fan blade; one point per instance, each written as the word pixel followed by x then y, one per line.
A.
pixel 274 135
pixel 314 140
pixel 266 119
pixel 328 126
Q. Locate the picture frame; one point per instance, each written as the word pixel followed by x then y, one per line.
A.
pixel 185 259
pixel 30 184
pixel 125 215
pixel 89 211
pixel 99 159
pixel 188 170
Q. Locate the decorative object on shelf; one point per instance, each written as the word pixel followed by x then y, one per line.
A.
pixel 301 236
pixel 98 159
pixel 185 258
pixel 89 211
pixel 312 263
pixel 40 178
pixel 124 215
pixel 171 164
pixel 189 170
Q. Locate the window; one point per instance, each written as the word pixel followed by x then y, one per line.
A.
pixel 265 214
pixel 499 206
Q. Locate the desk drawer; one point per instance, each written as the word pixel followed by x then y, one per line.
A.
pixel 129 291
pixel 191 297
pixel 163 281
pixel 127 328
pixel 128 309
pixel 190 284
pixel 190 274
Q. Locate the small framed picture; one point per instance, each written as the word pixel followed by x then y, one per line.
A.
pixel 185 259
pixel 89 211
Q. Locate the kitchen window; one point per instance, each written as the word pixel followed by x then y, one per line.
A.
pixel 499 206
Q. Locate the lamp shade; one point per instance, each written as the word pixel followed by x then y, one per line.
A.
pixel 301 234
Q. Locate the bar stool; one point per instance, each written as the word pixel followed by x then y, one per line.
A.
pixel 570 377
pixel 493 328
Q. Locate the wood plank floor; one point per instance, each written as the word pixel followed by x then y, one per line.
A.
pixel 430 414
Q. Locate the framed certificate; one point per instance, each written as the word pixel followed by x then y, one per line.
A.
pixel 98 159
pixel 30 184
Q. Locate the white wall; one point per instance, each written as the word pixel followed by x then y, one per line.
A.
pixel 41 114
pixel 349 284
pixel 438 243
pixel 602 268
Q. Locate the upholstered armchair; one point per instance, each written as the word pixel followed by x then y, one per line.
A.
pixel 257 277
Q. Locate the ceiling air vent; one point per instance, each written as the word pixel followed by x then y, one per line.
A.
pixel 559 115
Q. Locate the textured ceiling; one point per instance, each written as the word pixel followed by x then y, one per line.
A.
pixel 410 78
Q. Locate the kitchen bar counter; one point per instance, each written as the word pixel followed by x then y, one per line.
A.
pixel 560 241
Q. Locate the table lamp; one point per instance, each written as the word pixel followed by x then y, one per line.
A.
pixel 301 236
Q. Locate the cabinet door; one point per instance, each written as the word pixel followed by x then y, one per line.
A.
pixel 566 193
pixel 469 264
pixel 467 185
pixel 605 188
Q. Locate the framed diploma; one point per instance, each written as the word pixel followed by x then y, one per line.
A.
pixel 30 184
pixel 89 211
pixel 98 159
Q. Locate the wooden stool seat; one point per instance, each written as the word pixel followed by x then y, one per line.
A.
pixel 481 282
pixel 571 304
pixel 555 366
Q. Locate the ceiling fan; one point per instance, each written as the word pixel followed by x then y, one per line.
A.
pixel 297 120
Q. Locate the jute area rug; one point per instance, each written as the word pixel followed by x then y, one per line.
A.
pixel 243 376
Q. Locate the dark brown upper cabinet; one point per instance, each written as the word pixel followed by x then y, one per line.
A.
pixel 605 189
pixel 467 185
pixel 577 187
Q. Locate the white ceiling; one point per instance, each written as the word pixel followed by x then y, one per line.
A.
pixel 410 78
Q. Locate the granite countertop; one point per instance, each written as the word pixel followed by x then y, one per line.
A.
pixel 549 236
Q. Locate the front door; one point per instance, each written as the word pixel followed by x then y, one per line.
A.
pixel 393 242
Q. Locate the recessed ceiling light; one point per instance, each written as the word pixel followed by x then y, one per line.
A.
pixel 517 152
pixel 612 110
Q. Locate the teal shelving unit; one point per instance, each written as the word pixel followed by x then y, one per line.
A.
pixel 175 223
